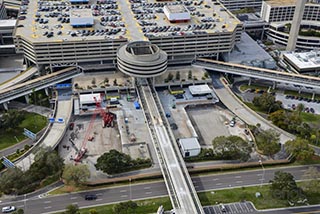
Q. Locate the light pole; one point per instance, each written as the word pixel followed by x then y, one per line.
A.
pixel 130 188
pixel 25 203
pixel 263 172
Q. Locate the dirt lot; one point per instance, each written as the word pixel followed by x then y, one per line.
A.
pixel 213 121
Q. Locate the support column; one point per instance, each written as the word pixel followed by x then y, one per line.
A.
pixel 46 91
pixel 27 98
pixel 295 24
pixel 5 106
pixel 313 94
pixel 217 56
pixel 249 83
pixel 274 85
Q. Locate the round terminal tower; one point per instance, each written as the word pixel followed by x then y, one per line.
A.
pixel 141 59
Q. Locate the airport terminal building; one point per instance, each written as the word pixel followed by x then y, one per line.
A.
pixel 90 34
pixel 279 14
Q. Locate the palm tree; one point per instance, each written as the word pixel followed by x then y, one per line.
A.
pixel 300 108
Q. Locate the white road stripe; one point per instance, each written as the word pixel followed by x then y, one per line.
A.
pixel 215 179
pixel 147 188
pixel 47 207
pixel 238 181
pixel 239 176
pixel 99 199
pixel 72 198
pixel 218 184
pixel 124 190
pixel 47 202
pixel 123 196
pixel 148 192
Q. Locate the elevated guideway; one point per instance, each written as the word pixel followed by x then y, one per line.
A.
pixel 19 78
pixel 182 193
pixel 42 82
pixel 259 73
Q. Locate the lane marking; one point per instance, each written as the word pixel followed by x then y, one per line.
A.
pixel 148 192
pixel 123 196
pixel 239 176
pixel 147 188
pixel 47 207
pixel 47 202
pixel 238 181
pixel 72 198
pixel 124 190
pixel 99 199
pixel 215 179
pixel 218 184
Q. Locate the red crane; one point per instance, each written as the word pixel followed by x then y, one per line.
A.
pixel 107 120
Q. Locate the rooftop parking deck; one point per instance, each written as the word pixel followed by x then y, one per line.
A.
pixel 49 21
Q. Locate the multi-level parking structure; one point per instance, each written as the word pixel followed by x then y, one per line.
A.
pixel 241 4
pixel 211 30
pixel 279 14
pixel 260 73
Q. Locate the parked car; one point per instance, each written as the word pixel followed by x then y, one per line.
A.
pixel 8 209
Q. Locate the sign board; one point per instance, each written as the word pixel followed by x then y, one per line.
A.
pixel 60 120
pixel 29 134
pixel 63 85
pixel 7 162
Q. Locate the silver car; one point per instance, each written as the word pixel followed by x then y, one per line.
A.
pixel 8 209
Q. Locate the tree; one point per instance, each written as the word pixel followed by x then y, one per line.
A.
pixel 106 80
pixel 93 81
pixel 125 207
pixel 115 83
pixel 189 74
pixel 232 147
pixel 268 141
pixel 170 76
pixel 300 149
pixel 300 108
pixel 313 176
pixel 113 162
pixel 19 211
pixel 11 119
pixel 75 174
pixel 284 187
pixel 178 75
pixel 93 211
pixel 10 180
pixel 72 209
pixel 267 102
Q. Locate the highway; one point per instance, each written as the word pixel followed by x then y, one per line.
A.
pixel 260 73
pixel 52 204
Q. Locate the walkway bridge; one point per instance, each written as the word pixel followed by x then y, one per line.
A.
pixel 182 193
pixel 39 83
pixel 259 73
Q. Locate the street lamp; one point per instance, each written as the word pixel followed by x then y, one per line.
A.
pixel 130 188
pixel 263 172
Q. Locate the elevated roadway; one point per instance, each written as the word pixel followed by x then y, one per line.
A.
pixel 19 78
pixel 55 134
pixel 182 193
pixel 259 73
pixel 39 83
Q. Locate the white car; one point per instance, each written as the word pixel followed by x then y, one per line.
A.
pixel 8 209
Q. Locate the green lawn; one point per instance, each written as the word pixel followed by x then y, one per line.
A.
pixel 253 86
pixel 33 122
pixel 310 118
pixel 266 201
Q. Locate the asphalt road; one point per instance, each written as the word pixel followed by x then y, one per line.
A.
pixel 50 204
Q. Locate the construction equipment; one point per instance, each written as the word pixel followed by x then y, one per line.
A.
pixel 107 121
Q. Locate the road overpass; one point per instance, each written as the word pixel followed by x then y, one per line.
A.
pixel 259 73
pixel 39 83
pixel 182 193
